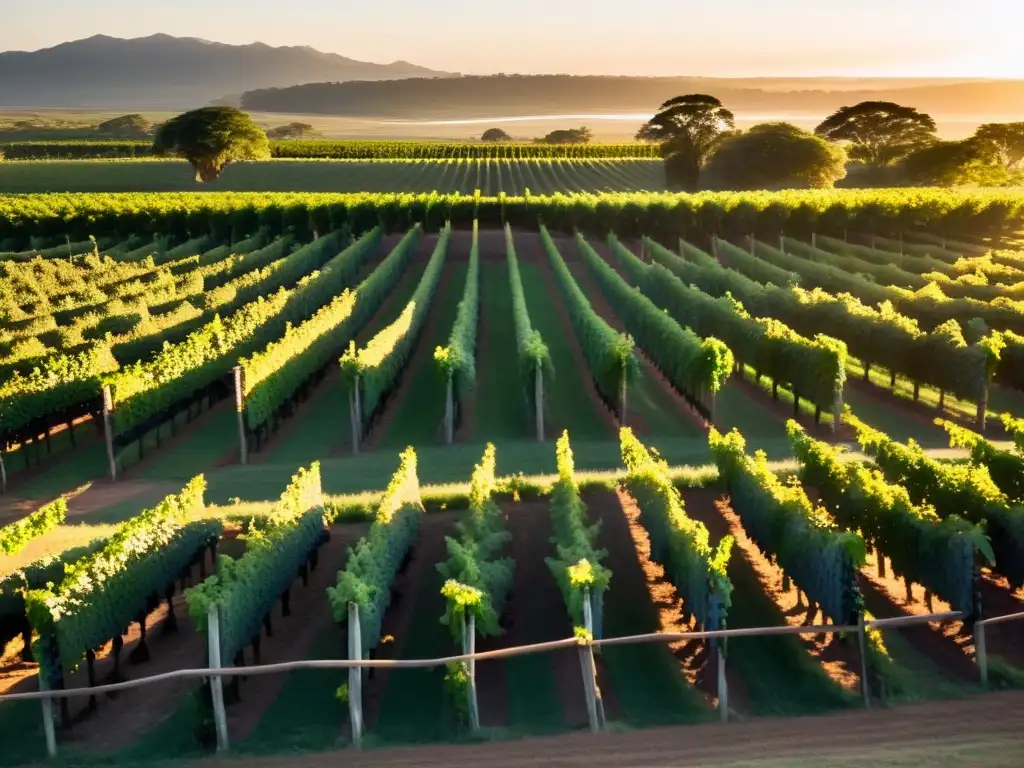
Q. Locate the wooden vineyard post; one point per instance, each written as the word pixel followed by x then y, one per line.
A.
pixel 108 435
pixel 982 409
pixel 862 641
pixel 355 417
pixel 814 239
pixel 355 675
pixel 469 649
pixel 538 402
pixel 3 474
pixel 622 402
pixel 782 242
pixel 449 414
pixel 48 728
pixel 714 246
pixel 981 653
pixel 220 719
pixel 240 412
pixel 837 410
pixel 595 707
pixel 723 685
pixel 750 238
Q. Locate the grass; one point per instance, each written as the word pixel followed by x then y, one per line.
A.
pixel 501 412
pixel 306 715
pixel 155 175
pixel 1000 399
pixel 414 707
pixel 568 406
pixel 419 417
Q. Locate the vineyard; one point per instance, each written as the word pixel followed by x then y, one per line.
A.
pixel 491 176
pixel 243 429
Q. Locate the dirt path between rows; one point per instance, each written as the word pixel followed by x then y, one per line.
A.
pixel 748 563
pixel 992 720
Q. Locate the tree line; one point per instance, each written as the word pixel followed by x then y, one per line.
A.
pixel 884 143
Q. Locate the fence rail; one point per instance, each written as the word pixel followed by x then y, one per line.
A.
pixel 980 650
pixel 586 646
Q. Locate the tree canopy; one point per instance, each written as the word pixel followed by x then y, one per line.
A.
pixel 879 132
pixel 210 138
pixel 774 156
pixel 568 136
pixel 1002 143
pixel 688 128
pixel 129 126
pixel 495 134
pixel 291 131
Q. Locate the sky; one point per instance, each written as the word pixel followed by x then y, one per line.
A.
pixel 723 38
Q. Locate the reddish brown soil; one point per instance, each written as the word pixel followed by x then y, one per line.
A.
pixel 950 644
pixel 990 722
pixel 428 550
pixel 136 710
pixel 1007 639
pixel 293 636
pixel 422 354
pixel 749 564
pixel 86 437
pixel 529 247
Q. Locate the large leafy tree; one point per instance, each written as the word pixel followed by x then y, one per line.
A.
pixel 955 163
pixel 569 136
pixel 879 132
pixel 688 128
pixel 1002 143
pixel 291 131
pixel 495 134
pixel 210 138
pixel 774 156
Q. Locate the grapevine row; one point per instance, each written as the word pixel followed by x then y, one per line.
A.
pixel 966 490
pixel 610 355
pixel 803 539
pixel 881 336
pixel 120 583
pixel 244 591
pixel 457 361
pixel 694 366
pixel 815 368
pixel 374 562
pixel 577 567
pixel 680 544
pixel 660 215
pixel 477 580
pixel 15 536
pixel 941 555
pixel 534 357
pixel 372 371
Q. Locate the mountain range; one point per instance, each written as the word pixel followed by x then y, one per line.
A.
pixel 164 72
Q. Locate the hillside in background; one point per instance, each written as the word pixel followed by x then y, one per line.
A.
pixel 501 95
pixel 163 72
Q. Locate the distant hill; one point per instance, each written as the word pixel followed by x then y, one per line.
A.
pixel 163 72
pixel 506 95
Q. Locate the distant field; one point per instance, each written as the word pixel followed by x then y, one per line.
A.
pixel 491 177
